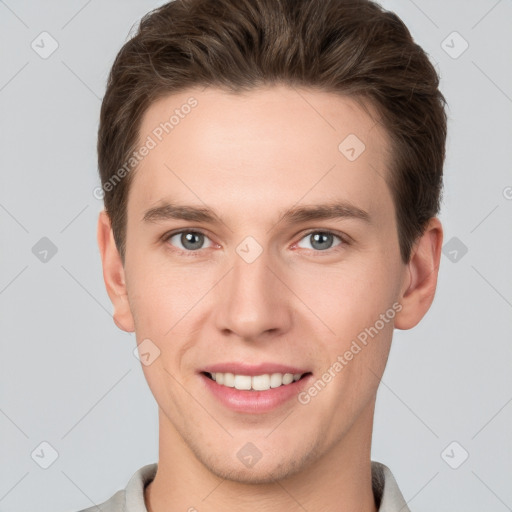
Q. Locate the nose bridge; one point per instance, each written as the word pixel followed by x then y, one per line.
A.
pixel 250 276
pixel 252 299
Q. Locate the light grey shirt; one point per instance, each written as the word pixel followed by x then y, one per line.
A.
pixel 131 499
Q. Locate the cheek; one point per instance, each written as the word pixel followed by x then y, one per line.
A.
pixel 348 298
pixel 161 294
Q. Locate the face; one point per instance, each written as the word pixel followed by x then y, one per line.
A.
pixel 261 281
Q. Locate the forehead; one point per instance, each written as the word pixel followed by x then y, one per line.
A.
pixel 270 146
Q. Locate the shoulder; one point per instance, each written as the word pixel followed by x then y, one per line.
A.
pixel 388 496
pixel 114 504
pixel 130 499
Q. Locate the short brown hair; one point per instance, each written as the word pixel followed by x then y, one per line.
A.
pixel 353 48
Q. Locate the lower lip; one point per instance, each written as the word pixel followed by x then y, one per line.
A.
pixel 255 402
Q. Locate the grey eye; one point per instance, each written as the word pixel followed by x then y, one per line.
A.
pixel 189 240
pixel 320 240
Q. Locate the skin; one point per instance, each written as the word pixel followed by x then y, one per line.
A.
pixel 249 157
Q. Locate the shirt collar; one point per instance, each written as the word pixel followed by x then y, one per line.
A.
pixel 385 489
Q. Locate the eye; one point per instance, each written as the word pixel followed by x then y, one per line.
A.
pixel 187 240
pixel 192 241
pixel 321 240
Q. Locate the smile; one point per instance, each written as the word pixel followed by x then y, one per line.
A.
pixel 262 382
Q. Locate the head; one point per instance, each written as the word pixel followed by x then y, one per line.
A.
pixel 248 109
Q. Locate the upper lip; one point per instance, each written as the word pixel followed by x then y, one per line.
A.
pixel 252 369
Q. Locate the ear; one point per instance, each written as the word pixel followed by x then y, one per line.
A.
pixel 420 285
pixel 113 274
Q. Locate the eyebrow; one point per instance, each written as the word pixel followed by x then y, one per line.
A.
pixel 333 210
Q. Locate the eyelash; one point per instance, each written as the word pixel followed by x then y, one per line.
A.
pixel 343 238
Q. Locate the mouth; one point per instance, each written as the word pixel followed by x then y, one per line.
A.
pixel 262 382
pixel 254 388
pixel 258 393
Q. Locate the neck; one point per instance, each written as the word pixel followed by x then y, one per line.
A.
pixel 338 479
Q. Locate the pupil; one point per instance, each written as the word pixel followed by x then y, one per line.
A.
pixel 320 236
pixel 188 240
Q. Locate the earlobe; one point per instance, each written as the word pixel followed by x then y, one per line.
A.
pixel 419 290
pixel 113 274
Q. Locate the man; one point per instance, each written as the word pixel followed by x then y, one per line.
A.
pixel 272 173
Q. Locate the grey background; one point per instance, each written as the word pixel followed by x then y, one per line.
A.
pixel 69 377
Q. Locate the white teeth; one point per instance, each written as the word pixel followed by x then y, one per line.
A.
pixel 261 382
pixel 257 382
pixel 229 380
pixel 276 380
pixel 287 378
pixel 242 382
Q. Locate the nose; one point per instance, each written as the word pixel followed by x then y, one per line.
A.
pixel 253 300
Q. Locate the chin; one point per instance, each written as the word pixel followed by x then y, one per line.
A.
pixel 262 472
